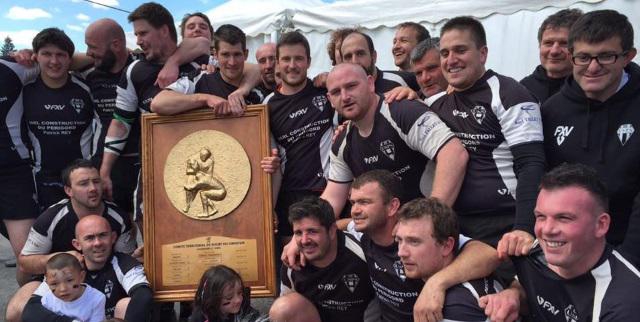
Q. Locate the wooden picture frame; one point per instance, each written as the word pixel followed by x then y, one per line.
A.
pixel 178 248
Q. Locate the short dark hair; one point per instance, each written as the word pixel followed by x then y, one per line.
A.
pixel 75 164
pixel 421 32
pixel 210 290
pixel 156 15
pixel 389 183
pixel 423 47
pixel 367 38
pixel 600 25
pixel 188 16
pixel 564 18
pixel 63 260
pixel 337 36
pixel 313 207
pixel 577 175
pixel 467 23
pixel 230 34
pixel 293 38
pixel 53 36
pixel 443 218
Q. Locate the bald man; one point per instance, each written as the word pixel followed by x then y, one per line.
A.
pixel 406 136
pixel 119 276
pixel 266 57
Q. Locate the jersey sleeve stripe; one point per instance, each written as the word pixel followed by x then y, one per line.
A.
pixel 602 276
pixel 354 247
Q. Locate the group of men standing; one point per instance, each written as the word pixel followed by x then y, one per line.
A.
pixel 443 163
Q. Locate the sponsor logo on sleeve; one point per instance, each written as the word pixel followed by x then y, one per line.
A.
pixel 625 131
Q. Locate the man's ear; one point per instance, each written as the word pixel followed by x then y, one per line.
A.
pixel 602 224
pixel 394 206
pixel 67 191
pixel 447 246
pixel 76 245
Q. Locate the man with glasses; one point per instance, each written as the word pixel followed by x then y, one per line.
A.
pixel 594 117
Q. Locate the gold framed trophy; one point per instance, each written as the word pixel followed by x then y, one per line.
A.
pixel 206 200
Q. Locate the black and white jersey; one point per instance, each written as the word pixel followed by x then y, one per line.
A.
pixel 302 125
pixel 13 76
pixel 117 279
pixel 405 136
pixel 604 293
pixel 266 91
pixel 342 290
pixel 461 300
pixel 491 118
pixel 55 228
pixel 103 86
pixel 389 79
pixel 214 84
pixel 135 91
pixel 60 123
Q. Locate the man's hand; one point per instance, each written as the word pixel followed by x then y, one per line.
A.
pixel 219 105
pixel 320 80
pixel 515 243
pixel 430 302
pixel 271 163
pixel 237 104
pixel 24 57
pixel 339 129
pixel 167 75
pixel 291 256
pixel 400 93
pixel 209 68
pixel 107 187
pixel 501 307
pixel 138 254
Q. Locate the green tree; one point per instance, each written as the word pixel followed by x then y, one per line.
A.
pixel 7 47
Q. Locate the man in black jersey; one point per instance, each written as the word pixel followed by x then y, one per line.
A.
pixel 59 114
pixel 335 281
pixel 266 57
pixel 402 137
pixel 594 118
pixel 555 58
pixel 499 123
pixel 18 207
pixel 53 231
pixel 407 36
pixel 571 273
pixel 212 89
pixel 357 48
pixel 427 237
pixel 119 276
pixel 376 197
pixel 425 63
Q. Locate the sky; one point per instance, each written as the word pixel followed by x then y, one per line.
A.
pixel 23 19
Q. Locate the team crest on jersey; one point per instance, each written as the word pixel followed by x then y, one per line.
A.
pixel 389 149
pixel 479 112
pixel 319 102
pixel 108 288
pixel 561 133
pixel 399 268
pixel 625 131
pixel 570 313
pixel 351 281
pixel 78 104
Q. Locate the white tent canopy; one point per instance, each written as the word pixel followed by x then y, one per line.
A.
pixel 511 25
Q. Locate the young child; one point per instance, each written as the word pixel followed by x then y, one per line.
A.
pixel 66 294
pixel 222 297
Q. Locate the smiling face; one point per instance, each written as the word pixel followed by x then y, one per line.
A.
pixel 54 63
pixel 462 62
pixel 231 61
pixel 355 50
pixel 100 50
pixel 368 208
pixel 571 228
pixel 196 27
pixel 598 81
pixel 232 298
pixel 554 53
pixel 266 58
pixel 292 65
pixel 66 283
pixel 314 240
pixel 405 39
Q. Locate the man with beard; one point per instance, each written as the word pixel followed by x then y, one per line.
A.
pixel 555 59
pixel 357 48
pixel 266 57
pixel 407 36
pixel 119 276
pixel 53 231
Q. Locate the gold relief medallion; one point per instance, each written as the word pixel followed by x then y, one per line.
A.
pixel 207 175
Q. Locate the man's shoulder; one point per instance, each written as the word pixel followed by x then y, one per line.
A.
pixel 511 91
pixel 124 262
pixel 53 214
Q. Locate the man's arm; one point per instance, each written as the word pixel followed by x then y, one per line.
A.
pixel 36 264
pixel 505 305
pixel 336 193
pixel 169 102
pixel 250 79
pixel 476 260
pixel 451 165
pixel 528 165
pixel 114 144
pixel 139 307
pixel 34 311
pixel 188 50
